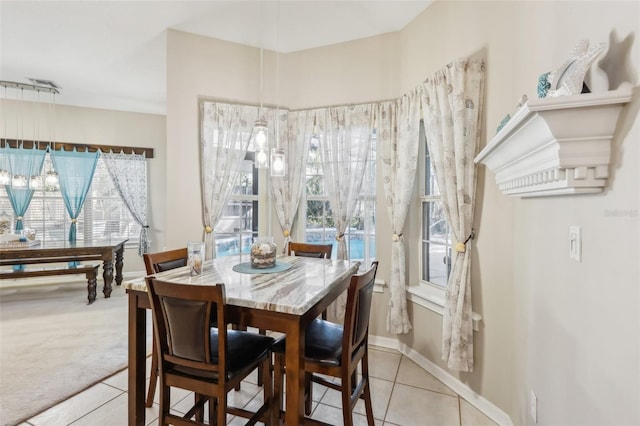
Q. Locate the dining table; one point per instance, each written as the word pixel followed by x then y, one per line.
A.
pixel 285 299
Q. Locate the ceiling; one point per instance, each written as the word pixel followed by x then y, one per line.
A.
pixel 112 54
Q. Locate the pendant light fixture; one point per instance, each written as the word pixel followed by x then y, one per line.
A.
pixel 278 158
pixel 260 129
pixel 51 179
pixel 5 174
pixel 20 181
pixel 36 182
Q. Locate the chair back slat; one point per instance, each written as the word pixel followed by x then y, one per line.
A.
pixel 358 310
pixel 322 251
pixel 182 316
pixel 165 260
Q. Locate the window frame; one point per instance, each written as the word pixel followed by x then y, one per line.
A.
pixel 369 200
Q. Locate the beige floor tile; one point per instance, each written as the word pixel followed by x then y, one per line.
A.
pixel 112 413
pixel 119 380
pixel 177 394
pixel 471 416
pixel 412 374
pixel 380 396
pixel 333 415
pixel 411 406
pixel 383 365
pixel 76 406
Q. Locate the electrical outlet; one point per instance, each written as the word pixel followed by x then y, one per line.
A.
pixel 575 243
pixel 533 406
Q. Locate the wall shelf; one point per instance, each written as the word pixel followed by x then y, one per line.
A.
pixel 556 146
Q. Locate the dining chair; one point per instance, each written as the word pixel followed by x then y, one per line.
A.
pixel 310 250
pixel 209 361
pixel 322 251
pixel 154 263
pixel 336 350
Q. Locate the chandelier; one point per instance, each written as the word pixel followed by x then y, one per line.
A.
pixel 276 160
pixel 49 180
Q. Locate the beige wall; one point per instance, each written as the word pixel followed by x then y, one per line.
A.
pixel 567 330
pixel 102 127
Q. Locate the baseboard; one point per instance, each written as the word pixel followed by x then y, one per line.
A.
pixel 475 399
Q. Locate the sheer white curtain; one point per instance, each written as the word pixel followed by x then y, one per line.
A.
pixel 452 102
pixel 398 127
pixel 224 139
pixel 129 175
pixel 344 140
pixel 287 190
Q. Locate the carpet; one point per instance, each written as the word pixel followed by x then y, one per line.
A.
pixel 53 345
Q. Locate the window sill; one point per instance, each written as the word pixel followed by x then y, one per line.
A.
pixel 432 298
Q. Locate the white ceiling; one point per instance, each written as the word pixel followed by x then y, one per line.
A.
pixel 112 54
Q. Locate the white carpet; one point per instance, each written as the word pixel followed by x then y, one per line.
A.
pixel 53 345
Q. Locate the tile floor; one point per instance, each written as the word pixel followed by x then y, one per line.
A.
pixel 402 394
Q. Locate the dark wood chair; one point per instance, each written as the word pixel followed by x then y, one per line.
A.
pixel 209 361
pixel 310 250
pixel 335 350
pixel 154 263
pixel 321 251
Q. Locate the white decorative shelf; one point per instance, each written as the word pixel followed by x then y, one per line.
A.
pixel 556 146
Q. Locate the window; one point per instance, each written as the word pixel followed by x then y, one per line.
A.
pixel 104 214
pixel 436 237
pixel 320 226
pixel 238 225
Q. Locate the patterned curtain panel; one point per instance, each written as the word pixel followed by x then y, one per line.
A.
pixel 452 103
pixel 224 139
pixel 25 162
pixel 75 171
pixel 344 138
pixel 398 127
pixel 287 190
pixel 129 175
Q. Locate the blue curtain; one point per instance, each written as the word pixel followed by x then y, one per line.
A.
pixel 26 162
pixel 75 171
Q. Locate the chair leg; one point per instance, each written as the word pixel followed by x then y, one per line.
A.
pixel 154 374
pixel 278 381
pixel 366 393
pixel 165 404
pixel 268 392
pixel 347 415
pixel 260 372
pixel 222 410
pixel 308 393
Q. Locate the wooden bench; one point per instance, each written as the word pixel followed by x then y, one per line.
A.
pixel 90 271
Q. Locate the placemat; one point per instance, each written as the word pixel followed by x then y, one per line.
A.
pixel 246 268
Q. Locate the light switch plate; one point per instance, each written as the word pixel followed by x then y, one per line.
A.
pixel 575 243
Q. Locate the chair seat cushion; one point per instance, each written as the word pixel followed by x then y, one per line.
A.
pixel 244 349
pixel 323 343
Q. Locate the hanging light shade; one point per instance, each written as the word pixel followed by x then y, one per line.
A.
pixel 36 182
pixel 19 182
pixel 278 164
pixel 51 181
pixel 5 177
pixel 261 143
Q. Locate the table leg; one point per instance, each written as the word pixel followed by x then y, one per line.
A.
pixel 295 376
pixel 107 275
pixel 137 365
pixel 119 257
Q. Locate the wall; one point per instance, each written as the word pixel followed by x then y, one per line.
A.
pixel 102 127
pixel 567 330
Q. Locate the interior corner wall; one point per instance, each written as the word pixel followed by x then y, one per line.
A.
pixel 103 127
pixel 567 331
